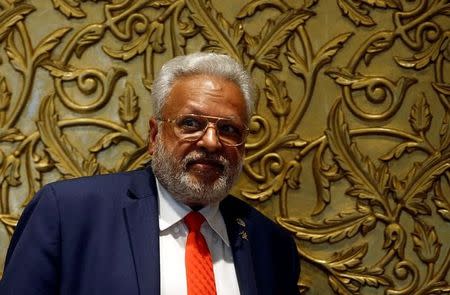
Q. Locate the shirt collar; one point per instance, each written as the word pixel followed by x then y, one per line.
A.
pixel 172 212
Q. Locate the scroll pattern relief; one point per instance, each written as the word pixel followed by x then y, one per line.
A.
pixel 410 212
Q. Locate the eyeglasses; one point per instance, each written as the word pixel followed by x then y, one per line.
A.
pixel 192 127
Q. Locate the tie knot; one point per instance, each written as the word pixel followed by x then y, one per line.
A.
pixel 194 221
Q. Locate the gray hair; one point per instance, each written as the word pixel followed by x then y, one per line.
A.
pixel 201 63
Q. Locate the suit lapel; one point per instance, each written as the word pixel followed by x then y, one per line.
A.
pixel 141 219
pixel 236 223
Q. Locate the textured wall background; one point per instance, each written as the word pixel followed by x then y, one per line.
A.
pixel 349 148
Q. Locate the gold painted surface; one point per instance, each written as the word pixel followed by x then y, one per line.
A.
pixel 349 148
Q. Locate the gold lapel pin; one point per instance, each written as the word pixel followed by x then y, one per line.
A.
pixel 244 235
pixel 240 222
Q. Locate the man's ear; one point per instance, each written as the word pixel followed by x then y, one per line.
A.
pixel 152 132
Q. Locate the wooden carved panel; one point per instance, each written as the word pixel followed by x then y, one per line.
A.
pixel 349 147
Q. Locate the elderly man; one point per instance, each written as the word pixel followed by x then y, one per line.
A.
pixel 168 229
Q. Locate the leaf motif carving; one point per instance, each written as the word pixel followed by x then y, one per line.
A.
pixel 346 78
pixel 420 180
pixel 357 15
pixel 106 141
pixel 384 3
pixel 358 168
pixel 45 47
pixel 63 72
pixel 5 94
pixel 441 287
pixel 294 143
pixel 9 219
pixel 274 34
pixel 15 57
pixel 413 172
pixel 10 170
pixel 10 222
pixel 444 132
pixel 136 160
pixel 398 151
pixel 9 18
pixel 443 88
pixel 445 10
pixel 353 281
pixel 347 275
pixel 426 243
pixel 293 175
pixel 157 37
pixel 160 3
pixel 11 135
pixel 91 166
pixel 348 259
pixel 345 225
pixel 181 29
pixel 89 36
pixel 342 288
pixel 278 100
pixel 35 165
pixel 70 8
pixel 441 202
pixel 422 59
pixel 417 204
pixel 323 173
pixel 221 35
pixel 329 50
pixel 67 158
pixel 128 105
pixel 297 63
pixel 323 56
pixel 43 163
pixel 420 116
pixel 383 42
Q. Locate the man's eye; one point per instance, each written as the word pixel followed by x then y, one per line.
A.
pixel 190 123
pixel 229 129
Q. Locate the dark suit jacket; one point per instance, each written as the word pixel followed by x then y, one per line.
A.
pixel 99 235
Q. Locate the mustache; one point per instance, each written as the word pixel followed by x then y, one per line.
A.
pixel 195 156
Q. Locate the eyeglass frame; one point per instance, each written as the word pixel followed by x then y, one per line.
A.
pixel 173 121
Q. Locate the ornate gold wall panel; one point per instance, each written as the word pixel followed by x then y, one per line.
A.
pixel 349 148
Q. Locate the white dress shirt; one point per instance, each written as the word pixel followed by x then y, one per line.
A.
pixel 172 243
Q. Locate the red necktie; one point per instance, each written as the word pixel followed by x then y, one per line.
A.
pixel 199 267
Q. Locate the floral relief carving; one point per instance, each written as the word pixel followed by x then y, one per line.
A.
pixel 363 170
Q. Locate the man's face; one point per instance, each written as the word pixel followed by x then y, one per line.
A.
pixel 202 171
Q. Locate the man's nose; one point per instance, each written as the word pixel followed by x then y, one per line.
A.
pixel 210 139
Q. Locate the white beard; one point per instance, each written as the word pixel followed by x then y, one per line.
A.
pixel 186 188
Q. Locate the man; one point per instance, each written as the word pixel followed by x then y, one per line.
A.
pixel 133 233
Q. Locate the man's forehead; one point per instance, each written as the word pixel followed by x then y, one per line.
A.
pixel 202 92
pixel 202 77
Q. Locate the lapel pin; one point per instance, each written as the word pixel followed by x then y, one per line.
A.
pixel 240 222
pixel 244 235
